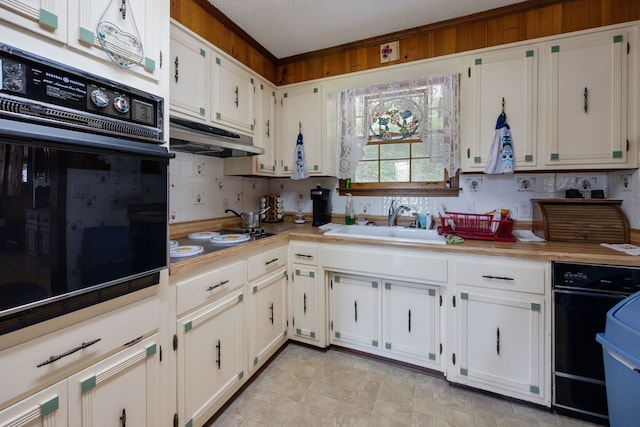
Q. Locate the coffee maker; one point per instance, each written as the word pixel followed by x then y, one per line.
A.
pixel 321 198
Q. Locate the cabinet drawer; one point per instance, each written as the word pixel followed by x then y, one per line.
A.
pixel 30 365
pixel 204 288
pixel 502 273
pixel 302 253
pixel 267 262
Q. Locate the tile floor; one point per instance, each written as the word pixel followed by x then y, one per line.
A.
pixel 303 386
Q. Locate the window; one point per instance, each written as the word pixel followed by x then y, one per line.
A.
pixel 400 138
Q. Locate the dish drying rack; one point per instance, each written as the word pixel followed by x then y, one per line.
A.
pixel 476 226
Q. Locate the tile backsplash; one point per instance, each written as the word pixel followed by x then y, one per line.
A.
pixel 200 190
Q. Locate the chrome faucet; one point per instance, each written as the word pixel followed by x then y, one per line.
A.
pixel 394 211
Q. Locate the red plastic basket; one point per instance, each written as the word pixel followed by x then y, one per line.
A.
pixel 476 226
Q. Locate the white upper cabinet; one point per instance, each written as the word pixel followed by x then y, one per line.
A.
pixel 510 78
pixel 301 113
pixel 232 94
pixel 587 114
pixel 84 16
pixel 44 17
pixel 190 69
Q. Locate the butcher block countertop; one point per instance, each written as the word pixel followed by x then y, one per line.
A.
pixel 546 251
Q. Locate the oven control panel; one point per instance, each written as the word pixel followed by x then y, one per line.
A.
pixel 596 277
pixel 32 87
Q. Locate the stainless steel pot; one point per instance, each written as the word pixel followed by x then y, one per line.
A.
pixel 249 220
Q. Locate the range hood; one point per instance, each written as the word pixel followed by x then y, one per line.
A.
pixel 199 138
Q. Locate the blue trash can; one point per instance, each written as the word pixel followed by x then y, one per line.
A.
pixel 621 353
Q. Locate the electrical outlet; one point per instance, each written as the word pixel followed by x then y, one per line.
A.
pixel 524 210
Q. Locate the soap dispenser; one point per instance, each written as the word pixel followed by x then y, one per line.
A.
pixel 349 211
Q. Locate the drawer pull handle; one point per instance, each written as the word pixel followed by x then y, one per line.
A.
pixel 304 255
pixel 67 353
pixel 409 320
pixel 304 303
pixel 123 418
pixel 497 277
pixel 270 262
pixel 498 341
pixel 218 353
pixel 212 287
pixel 355 311
pixel 271 309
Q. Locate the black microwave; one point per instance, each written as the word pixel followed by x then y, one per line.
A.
pixel 83 189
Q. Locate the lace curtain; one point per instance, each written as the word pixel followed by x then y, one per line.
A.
pixel 437 122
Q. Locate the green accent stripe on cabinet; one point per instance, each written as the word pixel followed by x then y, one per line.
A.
pixel 255 289
pixel 149 64
pixel 217 60
pixel 316 167
pixel 188 326
pixel 285 333
pixel 49 407
pixel 528 158
pixel 203 111
pixel 617 39
pixel 240 297
pixel 555 49
pixel 374 343
pixel 554 156
pixel 617 154
pixel 151 350
pixel 312 274
pixel 374 285
pixel 337 279
pixel 218 116
pixel 241 375
pixel 88 385
pixel 203 53
pixel 534 389
pixel 464 371
pixel 48 19
pixel 315 90
pixel 464 296
pixel 387 285
pixel 255 361
pixel 432 356
pixel 337 334
pixel 528 54
pixel 432 292
pixel 251 80
pixel 298 331
pixel 477 159
pixel 86 36
pixel 387 345
pixel 312 334
pixel 189 423
pixel 478 61
pixel 535 306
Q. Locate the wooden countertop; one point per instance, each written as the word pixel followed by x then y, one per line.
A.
pixel 547 251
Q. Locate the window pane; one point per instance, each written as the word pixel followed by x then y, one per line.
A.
pixel 418 150
pixel 370 152
pixel 394 170
pixel 367 172
pixel 422 170
pixel 394 151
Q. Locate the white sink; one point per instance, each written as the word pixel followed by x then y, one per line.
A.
pixel 393 234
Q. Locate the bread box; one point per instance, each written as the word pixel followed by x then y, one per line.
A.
pixel 579 220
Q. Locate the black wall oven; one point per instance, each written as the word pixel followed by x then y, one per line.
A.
pixel 582 296
pixel 83 189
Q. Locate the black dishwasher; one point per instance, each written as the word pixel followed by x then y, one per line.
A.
pixel 582 296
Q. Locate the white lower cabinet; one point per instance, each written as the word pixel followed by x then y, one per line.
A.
pixel 501 339
pixel 211 357
pixel 394 319
pixel 268 318
pixel 122 389
pixel 47 408
pixel 307 305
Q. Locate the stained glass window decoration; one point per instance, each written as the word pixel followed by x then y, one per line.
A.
pixel 395 119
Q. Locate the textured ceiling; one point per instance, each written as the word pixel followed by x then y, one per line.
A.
pixel 291 27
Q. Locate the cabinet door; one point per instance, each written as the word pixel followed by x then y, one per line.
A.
pixel 84 16
pixel 355 312
pixel 190 69
pixel 211 357
pixel 124 388
pixel 509 77
pixel 301 113
pixel 265 129
pixel 44 17
pixel 232 95
pixel 268 318
pixel 412 322
pixel 47 408
pixel 306 304
pixel 501 342
pixel 588 102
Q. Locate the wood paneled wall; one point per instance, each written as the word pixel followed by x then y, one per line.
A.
pixel 523 21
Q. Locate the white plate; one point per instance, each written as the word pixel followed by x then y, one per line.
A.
pixel 203 235
pixel 182 251
pixel 229 239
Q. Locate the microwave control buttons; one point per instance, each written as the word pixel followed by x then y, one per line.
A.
pixel 121 104
pixel 99 98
